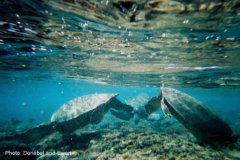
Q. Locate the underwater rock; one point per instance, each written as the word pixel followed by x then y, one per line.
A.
pixel 49 157
pixel 68 142
pixel 197 118
pixel 138 102
pixel 11 150
pixel 146 144
pixel 109 121
pixel 126 143
pixel 156 116
pixel 49 142
pixel 35 134
pixel 83 140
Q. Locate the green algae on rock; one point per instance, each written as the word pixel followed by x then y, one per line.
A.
pixel 142 144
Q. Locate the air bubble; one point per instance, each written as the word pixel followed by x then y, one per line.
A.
pixel 24 103
pixel 84 25
pixel 186 21
pixel 185 40
pixel 130 34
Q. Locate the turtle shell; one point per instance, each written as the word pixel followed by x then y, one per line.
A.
pixel 197 118
pixel 79 106
pixel 76 113
pixel 84 110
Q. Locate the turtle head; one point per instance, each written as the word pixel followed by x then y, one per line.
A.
pixel 153 104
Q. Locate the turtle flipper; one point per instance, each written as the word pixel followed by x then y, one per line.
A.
pixel 165 109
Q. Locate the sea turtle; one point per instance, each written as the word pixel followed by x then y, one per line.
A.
pixel 77 113
pixel 87 109
pixel 153 104
pixel 196 117
pixel 80 105
pixel 90 109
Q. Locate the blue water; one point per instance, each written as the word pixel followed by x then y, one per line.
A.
pixel 26 99
pixel 50 54
pixel 39 99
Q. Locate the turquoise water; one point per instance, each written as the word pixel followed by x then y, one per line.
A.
pixel 26 99
pixel 54 51
pixel 50 54
pixel 38 99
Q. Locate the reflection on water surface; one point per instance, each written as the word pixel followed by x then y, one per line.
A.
pixel 186 43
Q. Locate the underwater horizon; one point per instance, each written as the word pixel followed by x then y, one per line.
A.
pixel 54 52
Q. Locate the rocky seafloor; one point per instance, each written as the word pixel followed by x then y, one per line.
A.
pixel 145 140
pixel 143 145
